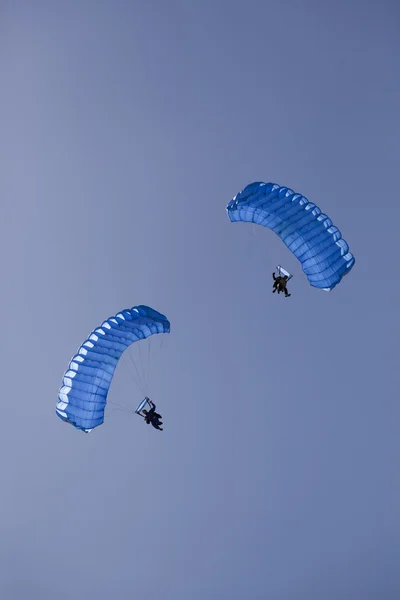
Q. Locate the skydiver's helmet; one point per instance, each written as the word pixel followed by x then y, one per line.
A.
pixel 144 411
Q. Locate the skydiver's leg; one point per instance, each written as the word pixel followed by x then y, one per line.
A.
pixel 281 288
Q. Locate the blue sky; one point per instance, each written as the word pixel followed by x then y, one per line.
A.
pixel 126 129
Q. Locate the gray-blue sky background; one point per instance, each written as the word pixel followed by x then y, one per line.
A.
pixel 126 127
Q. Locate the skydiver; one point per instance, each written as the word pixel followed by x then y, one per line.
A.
pixel 280 284
pixel 151 416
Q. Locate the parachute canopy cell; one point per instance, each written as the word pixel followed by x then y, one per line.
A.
pixel 307 232
pixel 83 395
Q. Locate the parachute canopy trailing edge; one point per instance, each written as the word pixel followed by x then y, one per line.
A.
pixel 308 233
pixel 83 395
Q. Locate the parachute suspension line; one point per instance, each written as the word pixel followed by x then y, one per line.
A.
pixel 147 374
pixel 154 349
pixel 144 367
pixel 135 377
pixel 138 365
pixel 113 410
pixel 134 362
pixel 117 406
pixel 121 392
pixel 117 409
pixel 128 360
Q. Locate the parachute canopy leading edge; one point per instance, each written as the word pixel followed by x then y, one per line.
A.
pixel 308 233
pixel 83 395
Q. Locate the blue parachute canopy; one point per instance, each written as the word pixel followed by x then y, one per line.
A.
pixel 308 233
pixel 83 395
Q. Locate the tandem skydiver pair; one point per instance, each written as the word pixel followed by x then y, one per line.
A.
pixel 150 416
pixel 280 282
